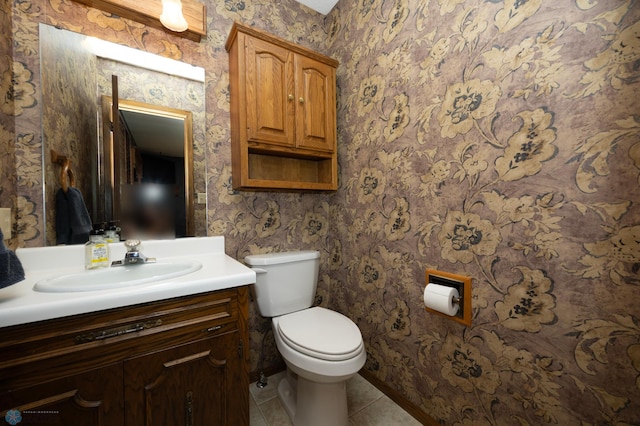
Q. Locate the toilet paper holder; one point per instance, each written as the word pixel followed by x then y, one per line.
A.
pixel 461 283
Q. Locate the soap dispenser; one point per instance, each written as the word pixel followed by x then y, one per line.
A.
pixel 96 251
pixel 112 233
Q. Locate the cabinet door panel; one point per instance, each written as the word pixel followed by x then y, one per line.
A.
pixel 185 385
pixel 270 106
pixel 91 398
pixel 315 124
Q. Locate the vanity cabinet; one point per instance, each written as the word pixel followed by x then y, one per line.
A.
pixel 192 384
pixel 179 361
pixel 283 113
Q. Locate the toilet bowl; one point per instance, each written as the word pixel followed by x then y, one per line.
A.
pixel 321 348
pixel 314 391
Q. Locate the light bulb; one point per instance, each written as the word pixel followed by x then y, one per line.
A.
pixel 172 16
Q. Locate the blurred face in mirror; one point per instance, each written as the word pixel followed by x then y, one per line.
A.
pixel 149 211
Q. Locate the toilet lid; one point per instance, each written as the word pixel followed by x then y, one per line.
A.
pixel 321 333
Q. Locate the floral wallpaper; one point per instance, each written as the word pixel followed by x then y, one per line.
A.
pixel 499 140
pixel 7 134
pixel 495 139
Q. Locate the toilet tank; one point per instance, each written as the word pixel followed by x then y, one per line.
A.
pixel 285 282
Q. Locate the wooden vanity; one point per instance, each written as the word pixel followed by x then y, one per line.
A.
pixel 180 361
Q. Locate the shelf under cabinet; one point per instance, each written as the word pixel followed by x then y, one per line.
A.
pixel 275 172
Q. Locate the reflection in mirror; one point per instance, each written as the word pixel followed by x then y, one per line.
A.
pixel 156 180
pixel 72 67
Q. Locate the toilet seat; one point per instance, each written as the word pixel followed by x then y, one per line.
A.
pixel 321 333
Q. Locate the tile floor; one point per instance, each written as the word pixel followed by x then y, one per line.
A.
pixel 367 405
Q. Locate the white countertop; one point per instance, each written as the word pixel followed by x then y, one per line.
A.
pixel 20 304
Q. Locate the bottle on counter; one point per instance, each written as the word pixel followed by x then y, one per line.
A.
pixel 96 251
pixel 112 233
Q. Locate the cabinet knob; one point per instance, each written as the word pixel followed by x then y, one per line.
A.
pixel 301 100
pixel 188 408
pixel 290 97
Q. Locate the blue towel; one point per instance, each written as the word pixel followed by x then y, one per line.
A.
pixel 73 222
pixel 11 270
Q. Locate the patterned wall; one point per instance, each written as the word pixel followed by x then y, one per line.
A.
pixel 7 107
pixel 497 139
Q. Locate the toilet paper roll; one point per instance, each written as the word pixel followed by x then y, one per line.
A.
pixel 440 298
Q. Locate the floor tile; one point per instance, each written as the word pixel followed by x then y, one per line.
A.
pixel 368 406
pixel 383 412
pixel 274 414
pixel 255 415
pixel 360 393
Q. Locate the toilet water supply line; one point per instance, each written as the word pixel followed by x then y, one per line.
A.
pixel 262 381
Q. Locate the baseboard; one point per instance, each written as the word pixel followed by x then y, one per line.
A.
pixel 399 399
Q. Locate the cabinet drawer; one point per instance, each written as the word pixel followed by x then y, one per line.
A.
pixel 72 343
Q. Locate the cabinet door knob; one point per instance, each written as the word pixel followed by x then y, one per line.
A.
pixel 290 97
pixel 301 100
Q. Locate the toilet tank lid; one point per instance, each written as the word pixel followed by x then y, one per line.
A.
pixel 281 257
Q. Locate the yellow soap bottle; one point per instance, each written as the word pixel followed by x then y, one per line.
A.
pixel 96 250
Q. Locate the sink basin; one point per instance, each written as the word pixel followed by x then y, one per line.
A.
pixel 115 277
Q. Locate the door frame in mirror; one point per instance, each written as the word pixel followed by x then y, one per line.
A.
pixel 110 180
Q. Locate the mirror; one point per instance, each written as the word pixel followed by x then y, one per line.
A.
pixel 76 73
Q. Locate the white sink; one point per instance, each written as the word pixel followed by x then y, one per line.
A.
pixel 115 277
pixel 56 285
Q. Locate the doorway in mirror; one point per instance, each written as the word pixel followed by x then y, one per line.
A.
pixel 148 154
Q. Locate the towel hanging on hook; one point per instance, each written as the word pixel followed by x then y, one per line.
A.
pixel 73 221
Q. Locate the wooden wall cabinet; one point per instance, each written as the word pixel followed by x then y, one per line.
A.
pixel 181 361
pixel 283 114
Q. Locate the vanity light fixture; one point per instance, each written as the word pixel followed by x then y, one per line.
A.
pixel 160 14
pixel 172 16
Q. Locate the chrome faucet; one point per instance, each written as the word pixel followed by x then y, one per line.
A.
pixel 133 256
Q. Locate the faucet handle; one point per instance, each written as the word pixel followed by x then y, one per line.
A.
pixel 132 245
pixel 133 255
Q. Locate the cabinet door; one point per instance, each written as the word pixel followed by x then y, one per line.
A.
pixel 315 115
pixel 91 398
pixel 194 384
pixel 269 93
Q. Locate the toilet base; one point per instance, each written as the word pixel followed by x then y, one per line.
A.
pixel 314 404
pixel 287 397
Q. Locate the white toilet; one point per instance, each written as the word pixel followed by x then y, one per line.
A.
pixel 322 348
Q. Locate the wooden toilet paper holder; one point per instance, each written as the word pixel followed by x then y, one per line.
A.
pixel 461 283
